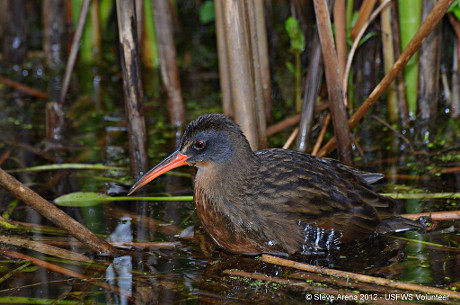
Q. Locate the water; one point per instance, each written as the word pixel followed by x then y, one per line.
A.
pixel 187 267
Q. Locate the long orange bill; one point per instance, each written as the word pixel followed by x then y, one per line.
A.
pixel 176 159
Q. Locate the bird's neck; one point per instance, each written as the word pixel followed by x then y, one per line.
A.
pixel 224 181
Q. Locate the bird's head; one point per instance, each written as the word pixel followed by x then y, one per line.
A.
pixel 211 139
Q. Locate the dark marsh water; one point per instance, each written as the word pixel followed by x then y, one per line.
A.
pixel 190 269
pixel 187 267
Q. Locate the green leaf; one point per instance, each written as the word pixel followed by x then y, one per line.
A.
pixel 455 9
pixel 290 67
pixel 366 38
pixel 295 35
pixel 81 199
pixel 207 12
pixel 354 18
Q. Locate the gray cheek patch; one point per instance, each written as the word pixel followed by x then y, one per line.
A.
pixel 219 148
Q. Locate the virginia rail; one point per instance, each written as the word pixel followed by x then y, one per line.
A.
pixel 275 200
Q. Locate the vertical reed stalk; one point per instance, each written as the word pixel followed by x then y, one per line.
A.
pixel 410 13
pixel 388 61
pixel 256 72
pixel 401 86
pixel 431 21
pixel 428 78
pixel 105 9
pixel 455 108
pixel 242 86
pixel 364 13
pixel 74 50
pixel 85 41
pixel 168 58
pixel 132 87
pixel 149 45
pixel 340 35
pixel 224 72
pixel 54 33
pixel 312 86
pixel 14 32
pixel 139 5
pixel 263 56
pixel 298 81
pixel 96 40
pixel 349 12
pixel 334 86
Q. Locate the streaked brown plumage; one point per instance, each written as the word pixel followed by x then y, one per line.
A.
pixel 275 200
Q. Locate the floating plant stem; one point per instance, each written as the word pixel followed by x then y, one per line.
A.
pixel 64 166
pixel 427 243
pixel 27 300
pixel 422 195
pixel 14 272
pixel 86 199
pixel 27 227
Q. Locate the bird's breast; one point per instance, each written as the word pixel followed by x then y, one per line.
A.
pixel 224 228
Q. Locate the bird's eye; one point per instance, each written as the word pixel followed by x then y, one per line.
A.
pixel 199 145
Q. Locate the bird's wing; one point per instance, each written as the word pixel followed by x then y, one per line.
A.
pixel 318 191
pixel 366 176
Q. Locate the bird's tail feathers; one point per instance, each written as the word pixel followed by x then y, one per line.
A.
pixel 400 224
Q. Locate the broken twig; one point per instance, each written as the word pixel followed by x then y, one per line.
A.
pixel 57 216
pixel 359 277
pixel 23 88
pixel 435 216
pixel 44 248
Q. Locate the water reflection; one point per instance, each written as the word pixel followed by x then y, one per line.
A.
pixel 123 232
pixel 119 275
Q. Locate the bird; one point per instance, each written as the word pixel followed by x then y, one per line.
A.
pixel 275 201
